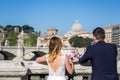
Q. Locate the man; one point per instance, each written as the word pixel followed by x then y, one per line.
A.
pixel 102 57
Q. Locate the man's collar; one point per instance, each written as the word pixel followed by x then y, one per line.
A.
pixel 101 41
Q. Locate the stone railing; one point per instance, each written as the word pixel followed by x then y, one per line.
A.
pixel 30 70
pixel 10 70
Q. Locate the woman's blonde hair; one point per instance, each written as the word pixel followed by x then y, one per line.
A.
pixel 55 46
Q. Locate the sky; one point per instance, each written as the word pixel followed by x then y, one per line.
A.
pixel 60 14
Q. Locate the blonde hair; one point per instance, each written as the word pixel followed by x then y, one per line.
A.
pixel 55 46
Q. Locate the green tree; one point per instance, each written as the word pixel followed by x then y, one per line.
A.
pixel 87 41
pixel 8 28
pixel 27 28
pixel 12 38
pixel 27 41
pixel 1 26
pixel 1 32
pixel 32 39
pixel 1 36
pixel 77 41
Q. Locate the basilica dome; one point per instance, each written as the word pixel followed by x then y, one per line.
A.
pixel 77 27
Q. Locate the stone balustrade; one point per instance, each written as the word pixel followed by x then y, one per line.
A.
pixel 10 70
pixel 30 70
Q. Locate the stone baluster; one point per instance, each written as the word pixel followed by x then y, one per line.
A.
pixel 35 77
pixel 85 77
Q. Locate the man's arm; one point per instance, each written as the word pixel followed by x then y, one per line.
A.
pixel 86 56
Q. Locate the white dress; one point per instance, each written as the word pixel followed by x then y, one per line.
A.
pixel 60 72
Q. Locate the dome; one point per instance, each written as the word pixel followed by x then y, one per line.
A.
pixel 76 26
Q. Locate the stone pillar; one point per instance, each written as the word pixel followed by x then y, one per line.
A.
pixel 6 43
pixel 78 77
pixel 35 77
pixel 38 42
pixel 20 51
pixel 20 54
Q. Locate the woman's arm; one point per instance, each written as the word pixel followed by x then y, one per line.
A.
pixel 41 59
pixel 69 66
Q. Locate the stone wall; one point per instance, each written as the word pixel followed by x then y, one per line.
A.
pixel 30 70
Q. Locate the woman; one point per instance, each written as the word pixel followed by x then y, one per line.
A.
pixel 57 62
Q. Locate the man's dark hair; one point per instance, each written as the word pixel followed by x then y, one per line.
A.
pixel 99 33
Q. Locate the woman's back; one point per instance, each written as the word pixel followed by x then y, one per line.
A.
pixel 56 68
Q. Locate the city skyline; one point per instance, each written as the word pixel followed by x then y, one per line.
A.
pixel 60 14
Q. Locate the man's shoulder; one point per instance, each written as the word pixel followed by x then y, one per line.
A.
pixel 106 44
pixel 110 44
pixel 90 46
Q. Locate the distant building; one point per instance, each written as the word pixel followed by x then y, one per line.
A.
pixel 77 30
pixel 65 42
pixel 116 35
pixel 17 29
pixel 108 34
pixel 52 32
pixel 44 38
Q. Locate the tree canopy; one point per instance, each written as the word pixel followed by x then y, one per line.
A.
pixel 77 41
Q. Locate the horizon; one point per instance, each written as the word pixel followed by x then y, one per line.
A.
pixel 60 14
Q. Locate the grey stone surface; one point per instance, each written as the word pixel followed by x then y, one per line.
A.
pixel 12 70
pixel 13 78
pixel 1 57
pixel 19 70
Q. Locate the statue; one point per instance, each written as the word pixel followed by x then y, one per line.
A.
pixel 20 50
pixel 38 42
pixel 20 42
pixel 6 43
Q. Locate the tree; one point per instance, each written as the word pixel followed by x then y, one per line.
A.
pixel 12 38
pixel 77 41
pixel 27 41
pixel 1 36
pixel 1 32
pixel 1 26
pixel 8 28
pixel 32 39
pixel 27 28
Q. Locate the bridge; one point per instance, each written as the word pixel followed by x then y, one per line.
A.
pixel 11 52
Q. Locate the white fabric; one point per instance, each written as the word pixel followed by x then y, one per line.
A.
pixel 56 78
pixel 60 72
